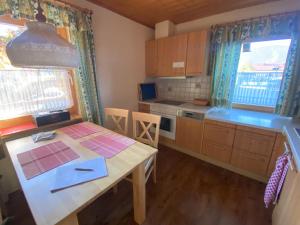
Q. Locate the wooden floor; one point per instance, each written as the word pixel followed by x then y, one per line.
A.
pixel 188 192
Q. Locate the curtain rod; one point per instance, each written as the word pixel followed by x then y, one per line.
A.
pixel 257 18
pixel 65 3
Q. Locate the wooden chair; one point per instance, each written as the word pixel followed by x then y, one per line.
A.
pixel 117 116
pixel 146 130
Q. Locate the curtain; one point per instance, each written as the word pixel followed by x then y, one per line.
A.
pixel 224 56
pixel 288 103
pixel 24 92
pixel 79 26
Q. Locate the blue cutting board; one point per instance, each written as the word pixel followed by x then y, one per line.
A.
pixel 67 176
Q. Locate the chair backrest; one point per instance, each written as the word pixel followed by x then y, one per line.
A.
pixel 117 115
pixel 142 123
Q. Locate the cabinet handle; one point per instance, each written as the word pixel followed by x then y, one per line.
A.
pixel 288 151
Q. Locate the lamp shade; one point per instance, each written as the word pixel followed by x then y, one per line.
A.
pixel 39 46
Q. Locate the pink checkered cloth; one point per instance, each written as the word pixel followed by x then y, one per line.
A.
pixel 108 144
pixel 276 180
pixel 80 130
pixel 45 158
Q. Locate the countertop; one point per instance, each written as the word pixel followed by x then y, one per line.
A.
pixel 268 121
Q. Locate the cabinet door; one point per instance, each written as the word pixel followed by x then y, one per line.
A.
pixel 216 151
pixel 164 60
pixel 145 108
pixel 254 142
pixel 220 133
pixel 287 211
pixel 277 151
pixel 171 57
pixel 178 54
pixel 249 161
pixel 151 58
pixel 196 53
pixel 189 134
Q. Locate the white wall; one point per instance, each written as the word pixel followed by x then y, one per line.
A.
pixel 239 14
pixel 120 56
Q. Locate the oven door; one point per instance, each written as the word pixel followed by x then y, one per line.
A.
pixel 167 125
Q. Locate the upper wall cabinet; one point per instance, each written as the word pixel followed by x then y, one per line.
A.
pixel 180 55
pixel 197 53
pixel 171 55
pixel 151 58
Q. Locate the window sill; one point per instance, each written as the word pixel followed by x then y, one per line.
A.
pixel 26 129
pixel 253 108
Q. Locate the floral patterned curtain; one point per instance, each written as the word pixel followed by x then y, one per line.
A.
pixel 224 58
pixel 79 25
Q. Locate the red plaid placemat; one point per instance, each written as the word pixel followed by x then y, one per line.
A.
pixel 45 158
pixel 108 144
pixel 80 130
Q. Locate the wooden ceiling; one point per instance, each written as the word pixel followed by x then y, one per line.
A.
pixel 150 12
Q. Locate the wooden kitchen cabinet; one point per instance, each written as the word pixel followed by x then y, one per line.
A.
pixel 145 108
pixel 189 134
pixel 250 162
pixel 151 58
pixel 287 211
pixel 171 55
pixel 260 143
pixel 196 53
pixel 219 132
pixel 217 151
pixel 252 149
pixel 218 140
pixel 277 151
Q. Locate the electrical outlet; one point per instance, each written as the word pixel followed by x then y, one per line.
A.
pixel 198 85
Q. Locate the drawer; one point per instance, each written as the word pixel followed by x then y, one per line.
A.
pixel 219 134
pixel 144 107
pixel 216 151
pixel 254 143
pixel 249 161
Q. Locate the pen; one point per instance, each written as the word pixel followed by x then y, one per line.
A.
pixel 83 169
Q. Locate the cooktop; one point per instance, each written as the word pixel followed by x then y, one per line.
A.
pixel 170 102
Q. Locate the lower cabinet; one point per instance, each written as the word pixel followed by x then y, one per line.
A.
pixel 251 150
pixel 216 151
pixel 189 134
pixel 287 211
pixel 218 139
pixel 145 108
pixel 249 161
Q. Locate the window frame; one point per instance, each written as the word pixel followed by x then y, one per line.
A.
pixel 257 107
pixel 74 110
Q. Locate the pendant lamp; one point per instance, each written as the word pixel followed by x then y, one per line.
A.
pixel 39 46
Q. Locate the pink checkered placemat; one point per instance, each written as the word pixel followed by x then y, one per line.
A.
pixel 80 130
pixel 45 158
pixel 108 144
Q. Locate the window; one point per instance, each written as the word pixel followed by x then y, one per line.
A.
pixel 29 91
pixel 260 73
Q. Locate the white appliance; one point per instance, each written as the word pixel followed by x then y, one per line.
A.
pixel 168 115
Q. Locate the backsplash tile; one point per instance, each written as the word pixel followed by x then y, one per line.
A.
pixel 183 89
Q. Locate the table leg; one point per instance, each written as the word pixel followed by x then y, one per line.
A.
pixel 139 193
pixel 70 220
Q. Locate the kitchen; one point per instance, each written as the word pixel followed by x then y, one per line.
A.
pixel 204 128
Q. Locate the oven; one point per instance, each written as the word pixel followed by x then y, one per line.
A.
pixel 168 121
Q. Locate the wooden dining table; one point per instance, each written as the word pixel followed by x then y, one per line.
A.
pixel 62 207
